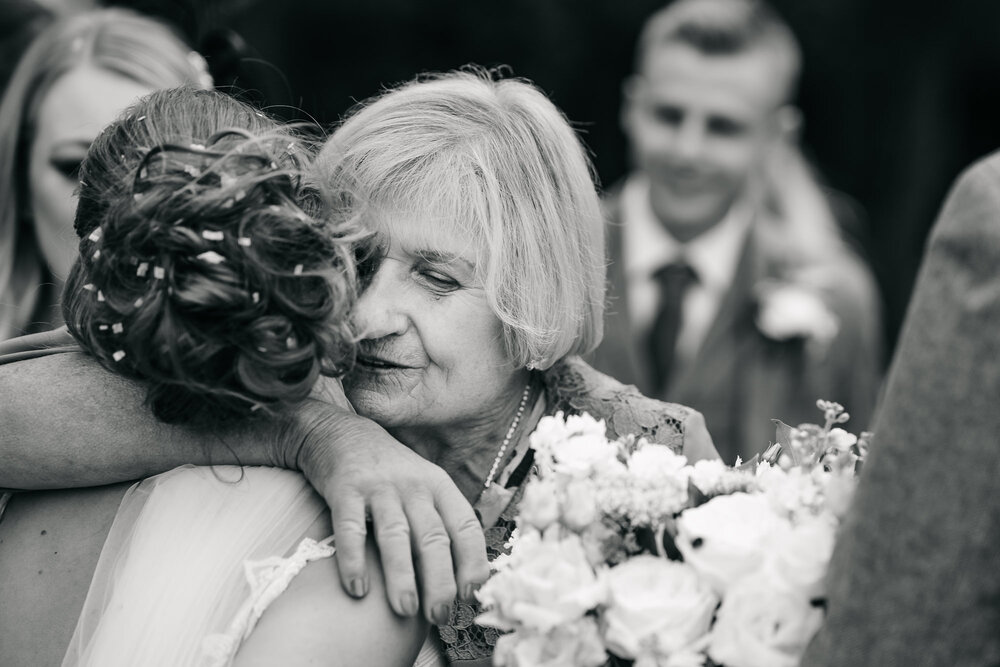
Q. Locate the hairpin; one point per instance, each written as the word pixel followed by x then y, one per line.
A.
pixel 212 235
pixel 211 257
pixel 140 119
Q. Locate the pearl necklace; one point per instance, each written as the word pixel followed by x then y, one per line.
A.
pixel 510 434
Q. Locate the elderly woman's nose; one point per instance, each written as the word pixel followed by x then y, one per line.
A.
pixel 377 312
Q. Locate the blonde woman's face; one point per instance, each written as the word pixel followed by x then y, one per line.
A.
pixel 77 107
pixel 431 354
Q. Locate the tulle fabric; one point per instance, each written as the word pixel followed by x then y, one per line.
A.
pixel 172 571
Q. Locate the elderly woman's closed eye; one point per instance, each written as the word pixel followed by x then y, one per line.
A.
pixel 486 285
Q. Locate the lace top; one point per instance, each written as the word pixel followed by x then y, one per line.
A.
pixel 573 387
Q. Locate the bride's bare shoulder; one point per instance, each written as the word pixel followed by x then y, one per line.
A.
pixel 314 622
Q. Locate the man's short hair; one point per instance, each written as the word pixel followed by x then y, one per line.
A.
pixel 724 28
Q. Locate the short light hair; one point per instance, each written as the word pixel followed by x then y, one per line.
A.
pixel 494 160
pixel 115 40
pixel 724 28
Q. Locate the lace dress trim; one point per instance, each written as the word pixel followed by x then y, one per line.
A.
pixel 268 579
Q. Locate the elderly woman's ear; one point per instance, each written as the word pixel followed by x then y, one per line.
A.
pixel 698 445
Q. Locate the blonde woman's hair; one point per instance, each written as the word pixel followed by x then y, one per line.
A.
pixel 115 40
pixel 492 160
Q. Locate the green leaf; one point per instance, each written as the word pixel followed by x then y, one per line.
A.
pixel 783 436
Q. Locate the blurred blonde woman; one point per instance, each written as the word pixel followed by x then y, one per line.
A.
pixel 71 82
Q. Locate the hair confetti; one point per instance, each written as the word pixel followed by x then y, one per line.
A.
pixel 142 270
pixel 138 302
pixel 100 296
pixel 102 327
pixel 192 171
pixel 211 257
pixel 244 241
pixel 212 235
pixel 89 287
pixel 97 253
pixel 95 235
pixel 140 119
pixel 117 328
pixel 118 355
pixel 256 297
pixel 159 273
pixel 298 269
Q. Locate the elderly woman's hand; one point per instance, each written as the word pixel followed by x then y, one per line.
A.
pixel 362 471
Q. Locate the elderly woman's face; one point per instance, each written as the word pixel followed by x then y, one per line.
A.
pixel 74 111
pixel 431 353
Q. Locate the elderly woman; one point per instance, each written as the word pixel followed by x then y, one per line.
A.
pixel 77 75
pixel 486 284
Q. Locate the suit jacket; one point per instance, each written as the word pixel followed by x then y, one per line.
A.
pixel 915 576
pixel 740 379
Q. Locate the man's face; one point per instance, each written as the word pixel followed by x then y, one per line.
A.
pixel 699 126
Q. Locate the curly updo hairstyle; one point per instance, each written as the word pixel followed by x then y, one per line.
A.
pixel 208 266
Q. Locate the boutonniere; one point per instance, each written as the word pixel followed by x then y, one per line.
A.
pixel 786 311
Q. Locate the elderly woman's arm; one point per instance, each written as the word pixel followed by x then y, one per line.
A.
pixel 67 422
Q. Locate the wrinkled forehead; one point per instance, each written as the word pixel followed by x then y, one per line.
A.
pixel 432 234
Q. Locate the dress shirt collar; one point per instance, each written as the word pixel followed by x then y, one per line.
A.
pixel 647 245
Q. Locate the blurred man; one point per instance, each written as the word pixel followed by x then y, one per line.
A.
pixel 730 288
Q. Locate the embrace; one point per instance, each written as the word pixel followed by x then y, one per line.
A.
pixel 442 253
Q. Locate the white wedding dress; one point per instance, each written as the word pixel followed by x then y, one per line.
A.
pixel 193 559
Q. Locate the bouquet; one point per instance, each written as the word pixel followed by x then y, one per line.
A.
pixel 624 553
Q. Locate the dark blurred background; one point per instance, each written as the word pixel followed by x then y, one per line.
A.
pixel 898 96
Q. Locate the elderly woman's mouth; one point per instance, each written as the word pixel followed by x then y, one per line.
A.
pixel 381 363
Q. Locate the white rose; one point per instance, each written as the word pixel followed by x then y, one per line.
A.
pixel 725 538
pixel 653 462
pixel 540 504
pixel 707 474
pixel 574 645
pixel 580 455
pixel 841 440
pixel 546 582
pixel 579 507
pixel 799 557
pixel 762 625
pixel 656 608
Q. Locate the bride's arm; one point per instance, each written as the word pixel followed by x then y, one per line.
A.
pixel 66 422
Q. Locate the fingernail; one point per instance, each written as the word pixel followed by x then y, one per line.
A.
pixel 408 603
pixel 442 614
pixel 359 587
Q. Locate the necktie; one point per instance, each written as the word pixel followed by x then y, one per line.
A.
pixel 674 279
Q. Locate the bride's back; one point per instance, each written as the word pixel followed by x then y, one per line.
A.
pixel 49 545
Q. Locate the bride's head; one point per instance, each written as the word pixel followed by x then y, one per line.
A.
pixel 207 265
